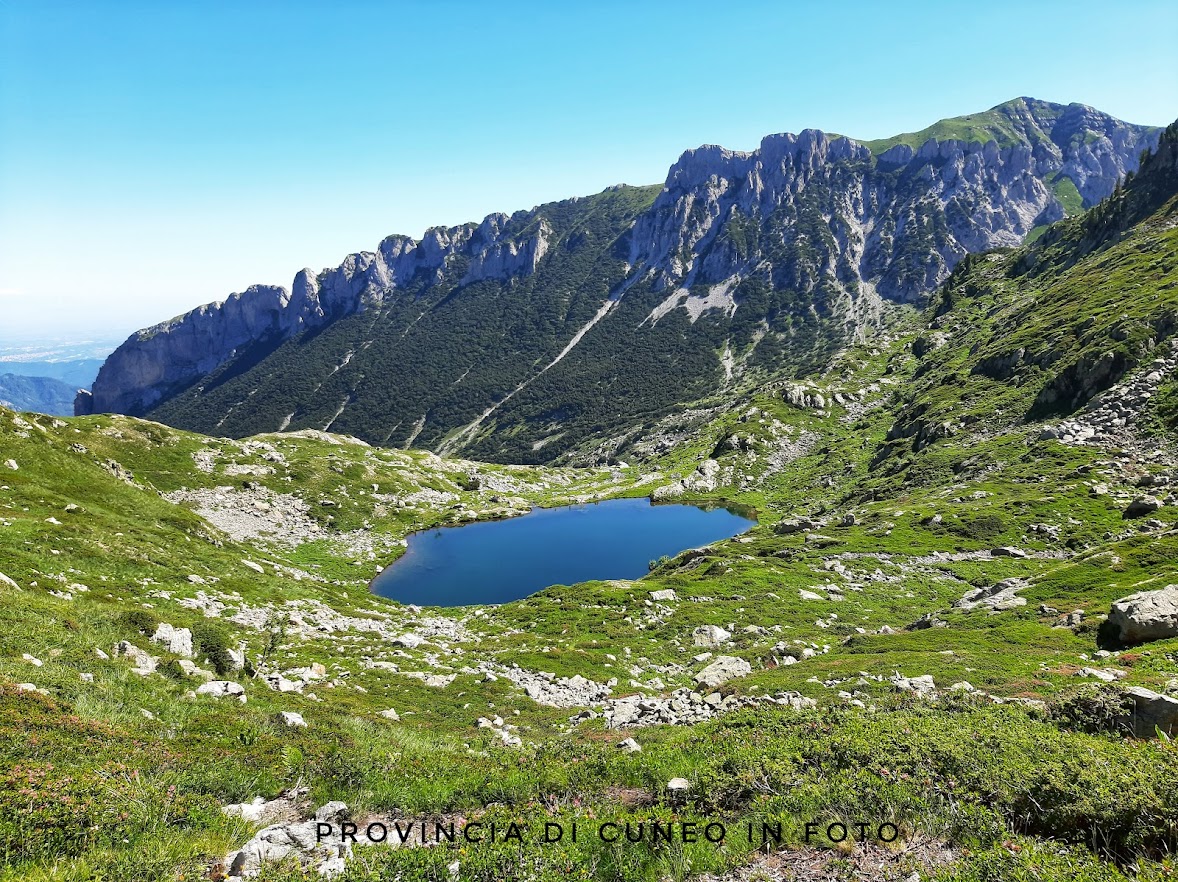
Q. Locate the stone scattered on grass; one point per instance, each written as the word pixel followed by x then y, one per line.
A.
pixel 1145 616
pixel 710 636
pixel 723 669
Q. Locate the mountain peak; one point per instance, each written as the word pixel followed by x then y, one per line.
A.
pixel 526 334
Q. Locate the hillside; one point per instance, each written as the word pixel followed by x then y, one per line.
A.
pixel 914 634
pixel 42 394
pixel 562 333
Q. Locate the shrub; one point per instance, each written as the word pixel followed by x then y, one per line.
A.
pixel 981 527
pixel 213 643
pixel 141 620
pixel 54 813
pixel 1095 709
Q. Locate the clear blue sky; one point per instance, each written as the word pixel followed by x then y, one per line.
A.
pixel 155 156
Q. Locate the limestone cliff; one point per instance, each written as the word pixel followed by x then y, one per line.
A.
pixel 586 315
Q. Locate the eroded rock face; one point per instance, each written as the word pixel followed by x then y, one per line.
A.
pixel 1145 616
pixel 818 216
pixel 158 362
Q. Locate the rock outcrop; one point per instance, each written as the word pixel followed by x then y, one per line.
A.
pixel 1145 616
pixel 810 234
pixel 1153 713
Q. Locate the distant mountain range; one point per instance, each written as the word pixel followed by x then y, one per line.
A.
pixel 40 394
pixel 76 372
pixel 564 332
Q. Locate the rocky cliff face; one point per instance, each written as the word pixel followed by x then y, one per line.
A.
pixel 741 261
pixel 161 361
pixel 812 208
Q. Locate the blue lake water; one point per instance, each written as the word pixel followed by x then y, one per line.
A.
pixel 499 561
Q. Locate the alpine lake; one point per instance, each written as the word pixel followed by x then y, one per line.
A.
pixel 493 562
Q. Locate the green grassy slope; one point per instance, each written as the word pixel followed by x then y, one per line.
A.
pixel 925 455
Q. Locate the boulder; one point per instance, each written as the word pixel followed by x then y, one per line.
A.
pixel 177 641
pixel 247 811
pixel 923 685
pixel 1153 713
pixel 630 746
pixel 1145 616
pixel 1008 551
pixel 390 714
pixel 292 719
pixel 663 595
pixel 332 812
pixel 191 670
pixel 1000 596
pixel 144 662
pixel 1141 506
pixel 1105 675
pixel 710 636
pixel 275 843
pixel 279 683
pixel 723 669
pixel 220 688
pixel 793 525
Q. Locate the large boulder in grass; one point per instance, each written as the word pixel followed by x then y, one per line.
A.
pixel 1153 713
pixel 1145 616
pixel 710 636
pixel 723 669
pixel 176 640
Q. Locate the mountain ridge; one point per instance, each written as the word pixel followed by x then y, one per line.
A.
pixel 755 263
pixel 954 605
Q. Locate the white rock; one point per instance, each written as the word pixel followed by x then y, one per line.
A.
pixel 248 811
pixel 710 636
pixel 1146 616
pixel 292 719
pixel 922 685
pixel 220 688
pixel 723 669
pixel 190 669
pixel 390 714
pixel 145 663
pixel 176 640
